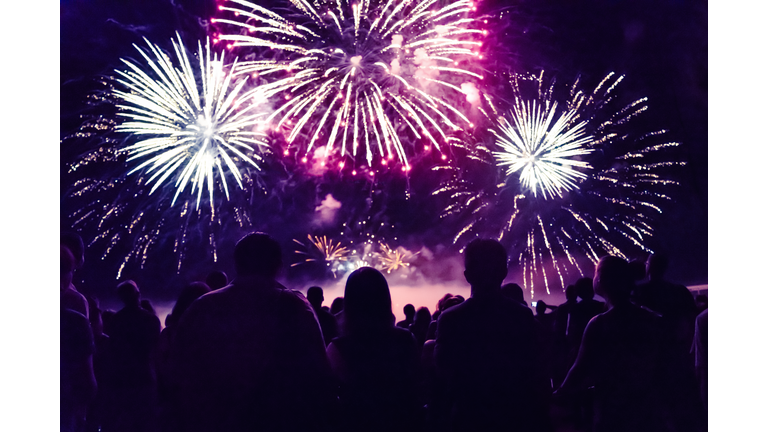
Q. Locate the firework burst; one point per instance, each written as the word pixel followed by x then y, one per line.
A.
pixel 183 133
pixel 187 133
pixel 366 79
pixel 323 249
pixel 574 179
pixel 393 259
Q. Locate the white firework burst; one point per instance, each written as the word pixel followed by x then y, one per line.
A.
pixel 188 125
pixel 546 152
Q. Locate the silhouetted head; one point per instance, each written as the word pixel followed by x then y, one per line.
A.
pixel 216 279
pixel 513 291
pixel 439 306
pixel 74 243
pixel 315 296
pixel 541 307
pixel 656 266
pixel 66 267
pixel 637 267
pixel 188 294
pixel 423 316
pixel 570 293
pixel 410 311
pixel 128 293
pixel 485 264
pixel 453 301
pixel 337 305
pixel 367 301
pixel 258 254
pixel 613 279
pixel 584 289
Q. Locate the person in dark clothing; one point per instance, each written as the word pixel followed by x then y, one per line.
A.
pixel 410 312
pixel 250 356
pixel 420 325
pixel 673 302
pixel 327 321
pixel 677 307
pixel 133 382
pixel 337 306
pixel 188 295
pixel 560 333
pixel 581 313
pixel 77 384
pixel 487 351
pixel 622 355
pixel 375 362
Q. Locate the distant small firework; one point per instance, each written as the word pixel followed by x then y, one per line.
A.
pixel 574 179
pixel 323 249
pixel 190 125
pixel 365 79
pixel 393 259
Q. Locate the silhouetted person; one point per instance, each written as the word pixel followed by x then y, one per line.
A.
pixel 621 354
pixel 513 291
pixel 410 312
pixel 70 297
pixel 250 356
pixel 375 362
pixel 188 294
pixel 560 332
pixel 133 342
pixel 101 364
pixel 77 383
pixel 337 306
pixel 546 327
pixel 582 312
pixel 327 321
pixel 420 325
pixel 445 303
pixel 216 279
pixel 700 350
pixel 672 301
pixel 675 304
pixel 486 350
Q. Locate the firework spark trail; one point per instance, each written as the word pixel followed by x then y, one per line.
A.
pixel 187 135
pixel 379 74
pixel 579 181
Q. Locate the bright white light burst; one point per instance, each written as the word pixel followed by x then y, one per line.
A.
pixel 365 79
pixel 545 152
pixel 191 124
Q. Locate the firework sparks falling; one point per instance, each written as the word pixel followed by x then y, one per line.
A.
pixel 365 79
pixel 574 180
pixel 188 133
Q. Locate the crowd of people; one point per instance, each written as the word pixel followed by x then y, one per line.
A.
pixel 251 355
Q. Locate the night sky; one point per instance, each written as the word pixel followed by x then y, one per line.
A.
pixel 660 45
